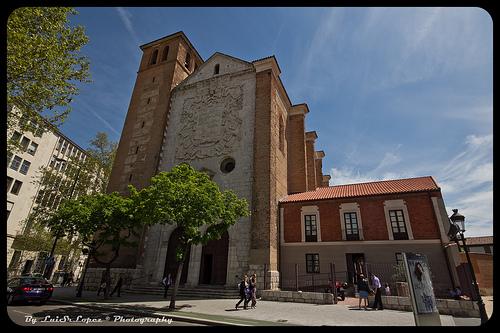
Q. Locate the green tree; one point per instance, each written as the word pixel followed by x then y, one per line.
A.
pixel 103 222
pixel 103 151
pixel 44 64
pixel 190 200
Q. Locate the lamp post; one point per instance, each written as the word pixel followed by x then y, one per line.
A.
pixel 82 278
pixel 456 232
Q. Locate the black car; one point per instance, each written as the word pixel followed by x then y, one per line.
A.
pixel 29 289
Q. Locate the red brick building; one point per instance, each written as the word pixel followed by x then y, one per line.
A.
pixel 352 225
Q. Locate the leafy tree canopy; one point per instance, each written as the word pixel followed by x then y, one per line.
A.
pixel 189 199
pixel 43 63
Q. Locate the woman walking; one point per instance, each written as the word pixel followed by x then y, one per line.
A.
pixel 253 290
pixel 363 290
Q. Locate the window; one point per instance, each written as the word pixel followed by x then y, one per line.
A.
pixel 16 136
pixel 351 226
pixel 32 148
pixel 16 162
pixel 311 228
pixel 153 57
pixel 25 167
pixel 188 60
pixel 9 182
pixel 149 100
pixel 398 224
pixel 136 149
pixel 130 178
pixel 142 125
pixel 227 165
pixel 52 161
pixel 9 157
pixel 164 54
pixel 312 263
pixel 59 144
pixel 154 78
pixel 24 143
pixel 63 149
pixel 216 69
pixel 16 187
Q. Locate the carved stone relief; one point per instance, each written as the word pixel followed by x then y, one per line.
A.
pixel 210 124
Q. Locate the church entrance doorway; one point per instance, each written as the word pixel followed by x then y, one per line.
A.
pixel 213 267
pixel 171 262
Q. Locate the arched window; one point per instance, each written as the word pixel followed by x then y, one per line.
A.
pixel 165 54
pixel 153 57
pixel 188 60
pixel 216 69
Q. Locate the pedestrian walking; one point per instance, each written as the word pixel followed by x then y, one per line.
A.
pixel 253 290
pixel 243 286
pixel 166 282
pixel 363 290
pixel 102 285
pixel 378 292
pixel 118 287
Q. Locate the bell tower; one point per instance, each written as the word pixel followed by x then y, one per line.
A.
pixel 165 63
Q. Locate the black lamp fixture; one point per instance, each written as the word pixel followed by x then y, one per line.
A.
pixel 458 220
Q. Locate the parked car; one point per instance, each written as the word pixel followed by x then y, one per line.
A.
pixel 29 289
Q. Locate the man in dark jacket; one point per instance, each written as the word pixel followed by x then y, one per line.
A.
pixel 243 286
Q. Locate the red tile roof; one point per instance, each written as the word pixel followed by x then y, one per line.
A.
pixel 420 184
pixel 483 240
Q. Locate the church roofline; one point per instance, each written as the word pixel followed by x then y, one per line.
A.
pixel 229 56
pixel 268 57
pixel 175 34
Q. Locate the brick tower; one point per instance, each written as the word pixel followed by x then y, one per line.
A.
pixel 165 63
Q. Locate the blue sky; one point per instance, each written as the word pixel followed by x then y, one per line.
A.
pixel 393 92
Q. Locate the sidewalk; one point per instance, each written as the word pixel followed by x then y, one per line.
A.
pixel 267 313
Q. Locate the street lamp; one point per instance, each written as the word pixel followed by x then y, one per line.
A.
pixel 88 251
pixel 456 232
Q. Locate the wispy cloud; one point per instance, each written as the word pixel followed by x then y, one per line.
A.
pixel 126 18
pixel 84 106
pixel 466 181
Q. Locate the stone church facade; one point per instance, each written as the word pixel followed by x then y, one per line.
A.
pixel 232 119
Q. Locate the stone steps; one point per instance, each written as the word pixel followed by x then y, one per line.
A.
pixel 199 292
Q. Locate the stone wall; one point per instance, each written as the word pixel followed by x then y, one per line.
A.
pixel 211 119
pixel 297 297
pixel 94 275
pixel 445 306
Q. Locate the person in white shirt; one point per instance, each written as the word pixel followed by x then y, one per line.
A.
pixel 378 292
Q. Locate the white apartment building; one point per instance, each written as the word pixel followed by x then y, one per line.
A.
pixel 39 149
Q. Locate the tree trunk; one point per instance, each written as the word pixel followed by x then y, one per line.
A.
pixel 176 286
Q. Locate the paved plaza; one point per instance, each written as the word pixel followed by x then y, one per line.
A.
pixel 222 311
